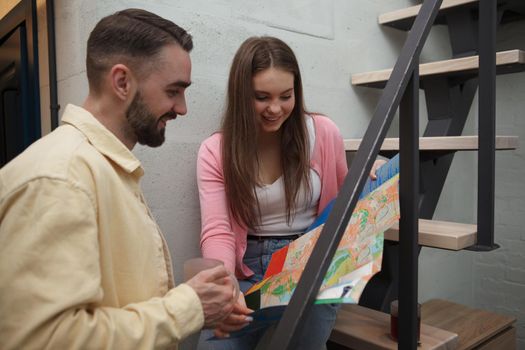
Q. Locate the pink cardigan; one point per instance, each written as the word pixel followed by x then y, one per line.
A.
pixel 222 237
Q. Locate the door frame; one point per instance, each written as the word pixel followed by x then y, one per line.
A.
pixel 24 13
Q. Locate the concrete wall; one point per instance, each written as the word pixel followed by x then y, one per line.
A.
pixel 332 39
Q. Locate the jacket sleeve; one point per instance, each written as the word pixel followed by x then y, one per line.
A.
pixel 217 236
pixel 334 148
pixel 50 281
pixel 341 166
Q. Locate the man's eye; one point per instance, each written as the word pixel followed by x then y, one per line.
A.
pixel 172 93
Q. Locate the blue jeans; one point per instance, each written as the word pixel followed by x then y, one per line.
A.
pixel 318 325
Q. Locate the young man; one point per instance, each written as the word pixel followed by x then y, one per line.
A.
pixel 82 262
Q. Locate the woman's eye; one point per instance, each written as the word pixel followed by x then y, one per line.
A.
pixel 260 98
pixel 286 98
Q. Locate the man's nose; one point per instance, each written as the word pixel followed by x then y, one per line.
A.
pixel 180 107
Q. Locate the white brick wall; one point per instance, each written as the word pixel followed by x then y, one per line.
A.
pixel 500 275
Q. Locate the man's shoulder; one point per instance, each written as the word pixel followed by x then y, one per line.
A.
pixel 60 155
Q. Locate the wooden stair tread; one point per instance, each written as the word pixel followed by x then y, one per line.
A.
pixel 404 18
pixel 411 12
pixel 473 326
pixel 440 143
pixel 510 61
pixel 440 234
pixel 362 328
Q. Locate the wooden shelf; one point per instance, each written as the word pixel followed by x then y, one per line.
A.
pixel 475 328
pixel 441 143
pixel 357 327
pixel 404 18
pixel 511 61
pixel 440 234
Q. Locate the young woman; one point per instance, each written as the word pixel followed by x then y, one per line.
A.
pixel 267 174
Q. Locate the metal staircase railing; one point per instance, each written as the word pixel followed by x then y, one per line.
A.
pixel 401 90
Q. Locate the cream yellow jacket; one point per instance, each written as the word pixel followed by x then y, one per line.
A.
pixel 83 265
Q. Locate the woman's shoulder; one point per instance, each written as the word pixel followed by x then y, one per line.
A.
pixel 324 125
pixel 212 143
pixel 213 138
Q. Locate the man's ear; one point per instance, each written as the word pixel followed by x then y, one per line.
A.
pixel 122 81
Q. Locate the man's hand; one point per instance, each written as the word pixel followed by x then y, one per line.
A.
pixel 216 291
pixel 236 320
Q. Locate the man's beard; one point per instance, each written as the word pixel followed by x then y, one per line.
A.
pixel 144 124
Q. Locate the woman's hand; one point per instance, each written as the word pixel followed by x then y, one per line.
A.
pixel 375 166
pixel 236 320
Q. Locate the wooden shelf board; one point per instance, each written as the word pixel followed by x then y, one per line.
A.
pixel 441 143
pixel 440 234
pixel 511 61
pixel 404 18
pixel 412 11
pixel 358 327
pixel 473 326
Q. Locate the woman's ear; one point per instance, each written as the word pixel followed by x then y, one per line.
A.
pixel 122 81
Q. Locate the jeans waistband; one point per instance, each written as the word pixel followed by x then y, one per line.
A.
pixel 287 237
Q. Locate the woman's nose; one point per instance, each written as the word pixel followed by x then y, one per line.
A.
pixel 274 108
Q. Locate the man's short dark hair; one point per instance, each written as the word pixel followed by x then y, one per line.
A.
pixel 131 37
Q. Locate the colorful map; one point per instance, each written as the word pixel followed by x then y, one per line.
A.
pixel 356 260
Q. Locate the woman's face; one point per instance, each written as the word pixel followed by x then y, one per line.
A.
pixel 274 98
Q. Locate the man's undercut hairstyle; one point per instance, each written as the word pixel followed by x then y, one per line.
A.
pixel 132 37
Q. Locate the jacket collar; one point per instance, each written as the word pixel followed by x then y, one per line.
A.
pixel 101 138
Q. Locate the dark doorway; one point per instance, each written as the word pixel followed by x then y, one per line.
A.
pixel 19 97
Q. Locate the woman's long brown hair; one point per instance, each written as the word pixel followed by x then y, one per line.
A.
pixel 240 130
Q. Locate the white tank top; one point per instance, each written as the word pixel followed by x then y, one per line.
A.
pixel 273 205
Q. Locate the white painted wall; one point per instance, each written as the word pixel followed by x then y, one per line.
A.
pixel 499 276
pixel 332 39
